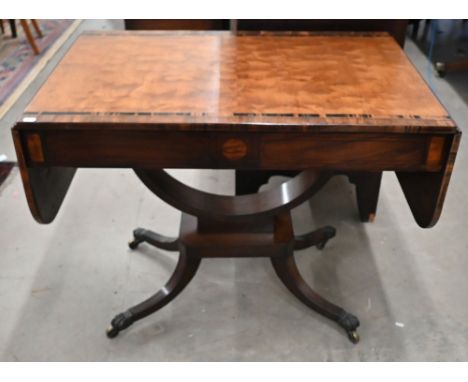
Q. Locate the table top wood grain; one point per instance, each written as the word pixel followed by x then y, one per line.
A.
pixel 352 81
pixel 331 102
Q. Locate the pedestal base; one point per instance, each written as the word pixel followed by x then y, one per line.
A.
pixel 270 237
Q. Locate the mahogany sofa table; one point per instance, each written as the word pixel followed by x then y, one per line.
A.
pixel 320 103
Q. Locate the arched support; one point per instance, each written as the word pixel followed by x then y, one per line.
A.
pixel 220 207
pixel 235 226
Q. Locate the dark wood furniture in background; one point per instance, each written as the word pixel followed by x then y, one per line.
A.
pixel 29 36
pixel 320 103
pixel 249 181
pixel 443 66
pixel 27 31
pixel 396 28
pixel 177 24
pixel 12 24
pixel 452 66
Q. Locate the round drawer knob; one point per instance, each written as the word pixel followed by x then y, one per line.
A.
pixel 234 149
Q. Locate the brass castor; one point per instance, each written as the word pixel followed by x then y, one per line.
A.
pixel 133 244
pixel 112 332
pixel 440 69
pixel 350 323
pixel 120 322
pixel 353 336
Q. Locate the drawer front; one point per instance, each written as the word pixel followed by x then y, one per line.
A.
pixel 158 149
pixel 373 152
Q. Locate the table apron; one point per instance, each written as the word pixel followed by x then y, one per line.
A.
pixel 202 149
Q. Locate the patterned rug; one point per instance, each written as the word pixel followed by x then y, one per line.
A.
pixel 16 56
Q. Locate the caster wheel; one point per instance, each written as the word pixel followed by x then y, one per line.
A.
pixel 133 244
pixel 112 332
pixel 120 322
pixel 353 336
pixel 440 69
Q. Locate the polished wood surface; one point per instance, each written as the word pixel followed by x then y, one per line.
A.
pixel 367 189
pixel 268 203
pixel 335 102
pixel 425 191
pixel 45 187
pixel 353 80
pixel 367 193
pixel 163 149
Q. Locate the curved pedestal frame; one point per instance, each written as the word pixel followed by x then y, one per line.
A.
pixel 235 226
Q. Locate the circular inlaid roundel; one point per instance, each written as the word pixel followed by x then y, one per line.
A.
pixel 234 149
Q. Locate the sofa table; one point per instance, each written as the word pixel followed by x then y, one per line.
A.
pixel 321 103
